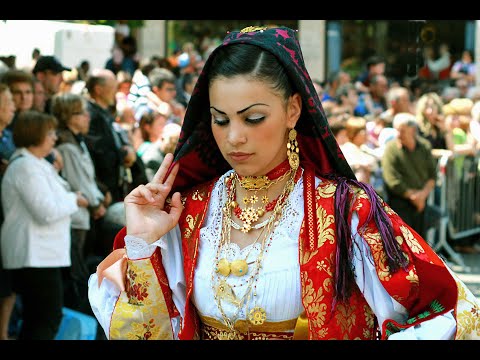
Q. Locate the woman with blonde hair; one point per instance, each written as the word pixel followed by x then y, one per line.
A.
pixel 431 122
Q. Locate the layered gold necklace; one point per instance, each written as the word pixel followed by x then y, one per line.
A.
pixel 223 267
pixel 250 214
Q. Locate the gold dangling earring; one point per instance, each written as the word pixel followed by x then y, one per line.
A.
pixel 293 150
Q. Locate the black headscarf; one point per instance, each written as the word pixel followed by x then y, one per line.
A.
pixel 200 158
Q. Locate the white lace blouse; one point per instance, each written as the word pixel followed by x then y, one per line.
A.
pixel 277 286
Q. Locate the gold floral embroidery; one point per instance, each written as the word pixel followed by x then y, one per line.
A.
pixel 386 207
pixel 468 313
pixel 326 190
pixel 307 255
pixel 314 302
pixel 411 241
pixel 326 265
pixel 369 330
pixel 183 199
pixel 369 316
pixel 412 277
pixel 141 311
pixel 328 284
pixel 357 206
pixel 346 317
pixel 399 239
pixel 199 195
pixel 137 285
pixel 144 331
pixel 320 334
pixel 191 221
pixel 322 266
pixel 358 195
pixel 373 238
pixel 325 231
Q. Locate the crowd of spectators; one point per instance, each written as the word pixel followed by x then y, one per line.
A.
pixel 75 141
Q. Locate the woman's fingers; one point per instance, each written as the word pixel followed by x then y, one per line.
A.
pixel 146 193
pixel 162 170
pixel 151 192
pixel 171 177
pixel 176 207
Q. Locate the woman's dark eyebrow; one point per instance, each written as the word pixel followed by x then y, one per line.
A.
pixel 238 112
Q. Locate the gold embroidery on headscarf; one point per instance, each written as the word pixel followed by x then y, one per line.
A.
pixel 253 28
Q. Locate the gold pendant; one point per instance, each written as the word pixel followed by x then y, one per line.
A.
pixel 249 215
pixel 239 267
pixel 223 267
pixel 225 292
pixel 257 315
pixel 294 160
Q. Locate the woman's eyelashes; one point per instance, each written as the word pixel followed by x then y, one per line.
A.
pixel 220 122
pixel 250 120
pixel 255 119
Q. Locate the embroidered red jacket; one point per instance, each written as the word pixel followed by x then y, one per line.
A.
pixel 426 288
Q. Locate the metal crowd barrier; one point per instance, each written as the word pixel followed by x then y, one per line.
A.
pixel 457 196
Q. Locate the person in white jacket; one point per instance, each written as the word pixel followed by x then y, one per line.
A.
pixel 35 235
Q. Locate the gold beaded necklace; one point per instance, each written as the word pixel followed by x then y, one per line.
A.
pixel 221 289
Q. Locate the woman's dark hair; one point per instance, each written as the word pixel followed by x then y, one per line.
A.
pixel 251 60
pixel 31 128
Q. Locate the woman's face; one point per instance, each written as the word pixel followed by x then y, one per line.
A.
pixel 46 146
pixel 250 123
pixel 431 111
pixel 80 121
pixel 39 97
pixel 7 109
pixel 156 128
pixel 22 93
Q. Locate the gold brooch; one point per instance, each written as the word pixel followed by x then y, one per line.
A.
pixel 253 28
pixel 257 316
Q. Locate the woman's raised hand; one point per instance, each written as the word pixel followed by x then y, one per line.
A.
pixel 144 205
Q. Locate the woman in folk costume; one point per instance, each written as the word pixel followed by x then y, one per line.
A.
pixel 272 237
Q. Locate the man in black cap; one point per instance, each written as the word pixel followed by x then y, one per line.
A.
pixel 48 70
